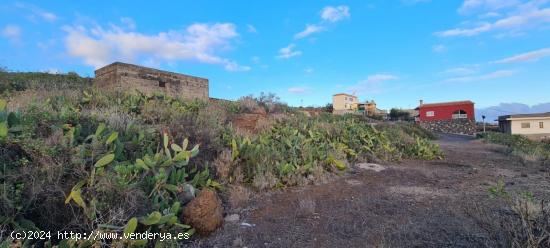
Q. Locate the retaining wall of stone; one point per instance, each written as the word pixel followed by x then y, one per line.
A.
pixel 460 126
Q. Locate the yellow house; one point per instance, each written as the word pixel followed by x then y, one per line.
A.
pixel 344 103
pixel 536 126
pixel 370 108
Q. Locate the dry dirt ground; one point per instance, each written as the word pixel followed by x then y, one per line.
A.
pixel 407 204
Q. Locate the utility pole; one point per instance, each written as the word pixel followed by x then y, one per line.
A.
pixel 483 117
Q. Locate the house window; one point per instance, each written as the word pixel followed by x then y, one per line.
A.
pixel 525 125
pixel 541 124
pixel 460 114
pixel 162 84
pixel 430 113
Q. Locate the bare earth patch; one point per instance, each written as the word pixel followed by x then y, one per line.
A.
pixel 408 204
pixel 418 191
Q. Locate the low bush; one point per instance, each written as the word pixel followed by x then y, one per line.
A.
pixel 294 149
pixel 521 146
pixel 20 81
pixel 62 170
pixel 412 139
pixel 268 102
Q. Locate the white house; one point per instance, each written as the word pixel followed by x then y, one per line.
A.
pixel 535 126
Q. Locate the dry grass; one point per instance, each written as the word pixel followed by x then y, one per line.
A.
pixel 223 165
pixel 238 196
pixel 518 223
pixel 248 103
pixel 265 180
pixel 21 100
pixel 264 124
pixel 531 228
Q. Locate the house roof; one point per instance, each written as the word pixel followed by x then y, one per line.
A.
pixel 534 115
pixel 343 94
pixel 440 104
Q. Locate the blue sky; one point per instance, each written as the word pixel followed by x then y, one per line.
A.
pixel 395 52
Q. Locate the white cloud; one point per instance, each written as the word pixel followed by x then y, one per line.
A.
pixel 11 32
pixel 334 14
pixel 233 66
pixel 329 14
pixel 461 71
pixel 489 15
pixel 439 48
pixel 299 90
pixel 373 84
pixel 37 13
pixel 48 16
pixel 288 52
pixel 526 57
pixel 482 77
pixel 309 70
pixel 520 18
pixel 469 6
pixel 310 29
pixel 198 42
pixel 377 78
pixel 465 32
pixel 251 29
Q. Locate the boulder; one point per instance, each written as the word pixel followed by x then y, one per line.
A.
pixel 204 212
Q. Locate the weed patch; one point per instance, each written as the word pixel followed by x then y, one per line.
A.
pixel 517 145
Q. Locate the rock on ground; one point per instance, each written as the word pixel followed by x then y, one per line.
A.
pixel 232 218
pixel 205 212
pixel 371 166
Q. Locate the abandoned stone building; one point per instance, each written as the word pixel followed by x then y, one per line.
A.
pixel 123 76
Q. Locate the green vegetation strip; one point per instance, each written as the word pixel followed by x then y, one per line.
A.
pixel 119 161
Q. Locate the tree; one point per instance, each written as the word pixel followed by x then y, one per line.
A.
pixel 399 115
pixel 329 108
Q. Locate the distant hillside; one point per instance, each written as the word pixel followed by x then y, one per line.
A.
pixel 492 113
pixel 20 81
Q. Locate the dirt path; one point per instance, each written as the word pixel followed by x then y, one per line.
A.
pixel 409 204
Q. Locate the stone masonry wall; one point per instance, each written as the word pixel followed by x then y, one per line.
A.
pixel 121 76
pixel 459 126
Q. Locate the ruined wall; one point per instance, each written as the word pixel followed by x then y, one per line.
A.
pixel 105 77
pixel 456 126
pixel 123 76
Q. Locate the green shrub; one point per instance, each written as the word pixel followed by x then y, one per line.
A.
pixel 105 177
pixel 120 160
pixel 294 148
pixel 20 81
pixel 520 145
